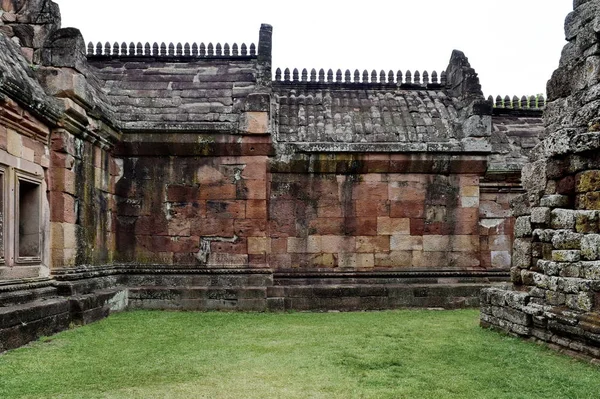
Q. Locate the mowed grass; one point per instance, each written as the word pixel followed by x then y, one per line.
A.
pixel 396 354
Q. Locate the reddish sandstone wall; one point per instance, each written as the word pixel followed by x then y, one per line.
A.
pixel 23 153
pixel 374 221
pixel 210 211
pixel 81 191
pixel 388 212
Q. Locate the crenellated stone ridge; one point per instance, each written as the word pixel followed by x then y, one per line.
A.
pixel 170 50
pixel 537 102
pixel 424 80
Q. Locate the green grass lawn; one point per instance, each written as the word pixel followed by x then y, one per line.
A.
pixel 396 354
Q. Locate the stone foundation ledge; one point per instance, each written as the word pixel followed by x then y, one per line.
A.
pixel 513 312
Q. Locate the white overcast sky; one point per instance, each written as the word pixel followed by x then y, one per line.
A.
pixel 514 45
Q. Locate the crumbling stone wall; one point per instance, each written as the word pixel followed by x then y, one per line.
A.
pixel 556 246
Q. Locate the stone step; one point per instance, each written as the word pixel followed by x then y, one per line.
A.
pixel 373 297
pixel 198 298
pixel 27 290
pixel 23 323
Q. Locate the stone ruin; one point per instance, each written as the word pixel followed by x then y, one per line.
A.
pixel 193 176
pixel 555 292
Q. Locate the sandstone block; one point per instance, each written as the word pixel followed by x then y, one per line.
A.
pixel 365 261
pixel 464 243
pixel 543 235
pixel 522 253
pixel 225 191
pixel 394 259
pixel 297 245
pixel 500 243
pixel 436 243
pixel 258 245
pixel 393 226
pixel 540 215
pixel 523 227
pixel 348 260
pixel 323 261
pixel 520 205
pixel 407 209
pixel 554 201
pixel 566 255
pixel 469 202
pixel 256 209
pixel 583 301
pixel 213 227
pixel 338 244
pixel 590 246
pixel 401 242
pixel 550 268
pixel 563 219
pixel 372 244
pixel 586 221
pixel 566 239
pixel 14 143
pixel 500 259
pixel 589 201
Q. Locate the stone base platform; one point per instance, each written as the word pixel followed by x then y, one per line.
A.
pixel 33 308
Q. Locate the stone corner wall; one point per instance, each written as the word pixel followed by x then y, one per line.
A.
pixel 556 251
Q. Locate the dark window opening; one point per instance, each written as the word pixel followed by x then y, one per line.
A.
pixel 29 219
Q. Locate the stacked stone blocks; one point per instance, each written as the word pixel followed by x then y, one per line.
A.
pixel 556 251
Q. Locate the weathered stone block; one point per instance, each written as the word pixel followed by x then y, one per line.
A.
pixel 555 298
pixel 373 244
pixel 522 253
pixel 562 219
pixel 587 181
pixel 570 270
pixel 401 242
pixel 520 205
pixel 550 268
pixel 566 239
pixel 436 243
pixel 500 259
pixel 540 215
pixel 523 227
pixel 393 226
pixel 543 235
pixel 583 301
pixel 590 247
pixel 394 259
pixel 589 201
pixel 566 255
pixel 586 221
pixel 555 201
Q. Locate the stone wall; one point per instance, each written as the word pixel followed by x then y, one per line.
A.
pixel 556 247
pixel 182 176
pixel 26 119
pixel 391 218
